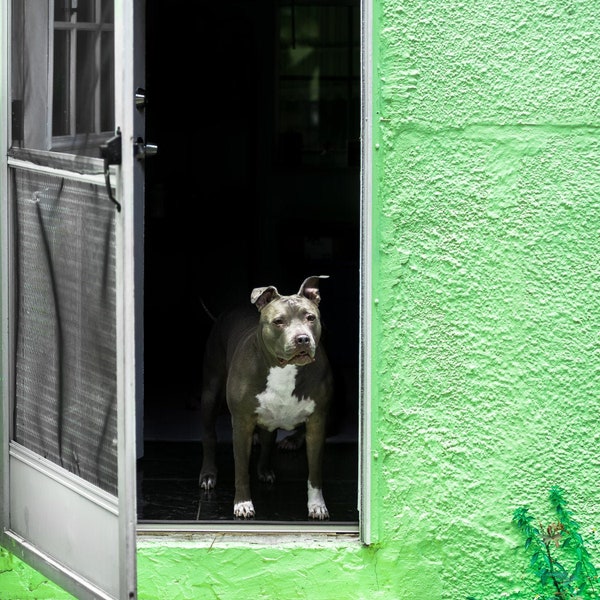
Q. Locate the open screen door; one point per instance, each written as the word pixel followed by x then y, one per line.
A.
pixel 70 182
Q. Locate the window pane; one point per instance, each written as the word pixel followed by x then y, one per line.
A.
pixel 315 39
pixel 60 84
pixel 63 101
pixel 108 11
pixel 107 82
pixel 85 11
pixel 62 10
pixel 87 80
pixel 318 84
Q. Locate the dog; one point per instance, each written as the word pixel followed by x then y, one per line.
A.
pixel 276 375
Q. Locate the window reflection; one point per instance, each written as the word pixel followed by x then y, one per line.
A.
pixel 319 84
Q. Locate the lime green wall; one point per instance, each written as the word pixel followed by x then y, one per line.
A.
pixel 486 343
pixel 486 283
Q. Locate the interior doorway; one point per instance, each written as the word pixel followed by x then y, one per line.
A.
pixel 256 182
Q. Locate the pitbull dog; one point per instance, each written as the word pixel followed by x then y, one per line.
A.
pixel 276 375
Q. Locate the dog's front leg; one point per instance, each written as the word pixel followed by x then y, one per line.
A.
pixel 315 447
pixel 242 429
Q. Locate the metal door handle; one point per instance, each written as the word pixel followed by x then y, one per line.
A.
pixel 142 150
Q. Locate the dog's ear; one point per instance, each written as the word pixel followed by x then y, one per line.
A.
pixel 310 288
pixel 263 295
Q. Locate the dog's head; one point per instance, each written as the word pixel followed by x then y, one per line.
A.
pixel 290 326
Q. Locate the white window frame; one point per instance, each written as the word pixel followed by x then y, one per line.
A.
pixel 366 262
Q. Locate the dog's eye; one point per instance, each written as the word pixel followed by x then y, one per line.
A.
pixel 278 321
pixel 310 317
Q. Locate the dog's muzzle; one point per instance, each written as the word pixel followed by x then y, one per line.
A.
pixel 300 351
pixel 300 359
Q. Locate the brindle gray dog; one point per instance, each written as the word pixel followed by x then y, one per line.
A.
pixel 276 375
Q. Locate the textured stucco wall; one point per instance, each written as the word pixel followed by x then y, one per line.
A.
pixel 487 278
pixel 486 348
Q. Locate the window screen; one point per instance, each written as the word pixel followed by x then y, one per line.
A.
pixel 65 391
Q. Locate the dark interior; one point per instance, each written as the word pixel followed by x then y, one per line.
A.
pixel 256 182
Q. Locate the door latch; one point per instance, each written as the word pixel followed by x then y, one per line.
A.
pixel 142 151
pixel 110 151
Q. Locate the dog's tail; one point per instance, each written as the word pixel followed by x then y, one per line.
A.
pixel 206 310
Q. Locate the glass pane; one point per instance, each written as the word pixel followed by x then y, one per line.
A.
pixel 107 82
pixel 62 77
pixel 87 82
pixel 62 10
pixel 85 11
pixel 108 11
pixel 319 115
pixel 60 88
pixel 318 84
pixel 315 38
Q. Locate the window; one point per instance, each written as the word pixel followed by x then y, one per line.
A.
pixel 83 68
pixel 71 108
pixel 319 84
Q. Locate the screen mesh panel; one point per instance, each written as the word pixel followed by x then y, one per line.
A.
pixel 65 368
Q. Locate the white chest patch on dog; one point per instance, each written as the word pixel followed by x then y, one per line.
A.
pixel 278 407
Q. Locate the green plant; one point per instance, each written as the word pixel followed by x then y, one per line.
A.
pixel 558 555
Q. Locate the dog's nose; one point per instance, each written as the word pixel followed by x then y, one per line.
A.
pixel 303 340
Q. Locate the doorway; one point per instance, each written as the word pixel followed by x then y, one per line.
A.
pixel 256 182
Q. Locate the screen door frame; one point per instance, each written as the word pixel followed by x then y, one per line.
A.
pixel 76 534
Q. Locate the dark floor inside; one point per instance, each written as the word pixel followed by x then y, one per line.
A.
pixel 169 470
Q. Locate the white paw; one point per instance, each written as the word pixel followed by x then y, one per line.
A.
pixel 316 504
pixel 243 510
pixel 318 511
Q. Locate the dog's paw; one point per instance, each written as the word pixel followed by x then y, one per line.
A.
pixel 208 481
pixel 266 475
pixel 316 504
pixel 318 511
pixel 243 510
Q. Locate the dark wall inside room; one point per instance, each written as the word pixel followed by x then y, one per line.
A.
pixel 228 208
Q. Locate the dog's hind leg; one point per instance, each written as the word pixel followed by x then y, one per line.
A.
pixel 294 441
pixel 208 417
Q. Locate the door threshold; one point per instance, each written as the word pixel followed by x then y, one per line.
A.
pixel 240 527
